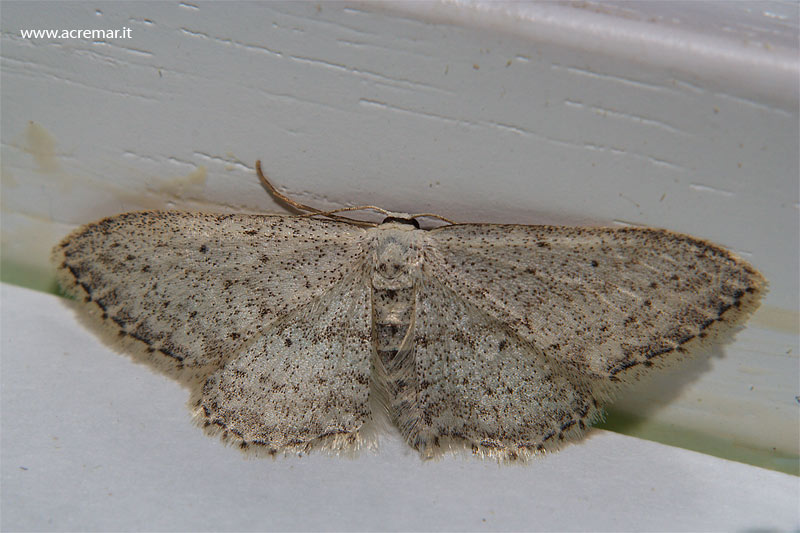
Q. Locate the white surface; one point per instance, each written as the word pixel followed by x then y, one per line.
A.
pixel 92 441
pixel 716 42
pixel 534 112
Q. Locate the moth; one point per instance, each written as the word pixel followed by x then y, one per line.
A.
pixel 293 332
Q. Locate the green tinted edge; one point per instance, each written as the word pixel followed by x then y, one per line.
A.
pixel 31 277
pixel 643 428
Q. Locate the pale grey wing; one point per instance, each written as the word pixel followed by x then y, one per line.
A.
pixel 185 291
pixel 607 302
pixel 304 382
pixel 482 385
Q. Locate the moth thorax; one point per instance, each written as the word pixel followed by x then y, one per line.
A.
pixel 396 262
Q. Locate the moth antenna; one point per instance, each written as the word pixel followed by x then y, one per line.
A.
pixel 310 211
pixel 433 215
pixel 363 207
pixel 279 195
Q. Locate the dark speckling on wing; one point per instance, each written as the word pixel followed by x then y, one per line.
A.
pixel 503 339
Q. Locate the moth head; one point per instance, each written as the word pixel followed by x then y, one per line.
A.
pixel 401 220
